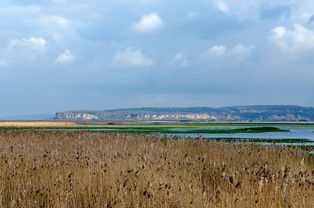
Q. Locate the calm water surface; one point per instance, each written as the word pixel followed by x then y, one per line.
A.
pixel 295 133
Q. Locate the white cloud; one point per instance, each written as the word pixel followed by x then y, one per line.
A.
pixel 28 42
pixel 24 50
pixel 242 50
pixel 65 58
pixel 222 6
pixel 179 60
pixel 303 35
pixel 131 58
pixel 283 46
pixel 59 20
pixel 298 38
pixel 217 50
pixel 279 31
pixel 148 23
pixel 238 52
pixel 40 42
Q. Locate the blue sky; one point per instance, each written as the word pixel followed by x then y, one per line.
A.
pixel 60 55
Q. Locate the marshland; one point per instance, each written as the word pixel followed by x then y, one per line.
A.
pixel 289 133
pixel 108 169
pixel 156 104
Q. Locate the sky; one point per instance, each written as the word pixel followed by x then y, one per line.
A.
pixel 58 55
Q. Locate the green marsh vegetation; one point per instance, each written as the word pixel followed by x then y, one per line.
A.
pixel 157 129
pixel 187 129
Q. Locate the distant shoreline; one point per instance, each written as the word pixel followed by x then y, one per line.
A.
pixel 35 123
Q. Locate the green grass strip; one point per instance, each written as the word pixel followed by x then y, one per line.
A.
pixel 157 130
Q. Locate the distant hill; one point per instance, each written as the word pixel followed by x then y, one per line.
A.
pixel 235 113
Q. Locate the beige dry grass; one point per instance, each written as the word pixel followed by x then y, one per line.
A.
pixel 81 169
pixel 37 123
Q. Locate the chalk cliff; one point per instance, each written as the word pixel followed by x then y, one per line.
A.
pixel 237 113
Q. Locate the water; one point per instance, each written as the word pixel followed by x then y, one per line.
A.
pixel 294 133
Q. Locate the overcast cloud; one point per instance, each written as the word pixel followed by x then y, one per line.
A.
pixel 60 55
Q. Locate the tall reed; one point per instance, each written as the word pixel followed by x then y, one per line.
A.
pixel 80 169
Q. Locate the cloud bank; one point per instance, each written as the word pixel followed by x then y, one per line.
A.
pixel 132 53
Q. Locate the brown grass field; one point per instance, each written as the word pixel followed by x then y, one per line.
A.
pixel 37 123
pixel 107 170
pixel 66 123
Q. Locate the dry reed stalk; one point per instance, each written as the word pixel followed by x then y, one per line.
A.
pixel 37 123
pixel 80 169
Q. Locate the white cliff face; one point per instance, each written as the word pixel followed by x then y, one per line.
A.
pixel 177 116
pixel 288 117
pixel 170 116
pixel 173 116
pixel 76 116
pixel 87 116
pixel 143 116
pixel 244 113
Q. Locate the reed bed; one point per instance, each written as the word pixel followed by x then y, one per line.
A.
pixel 37 123
pixel 108 170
